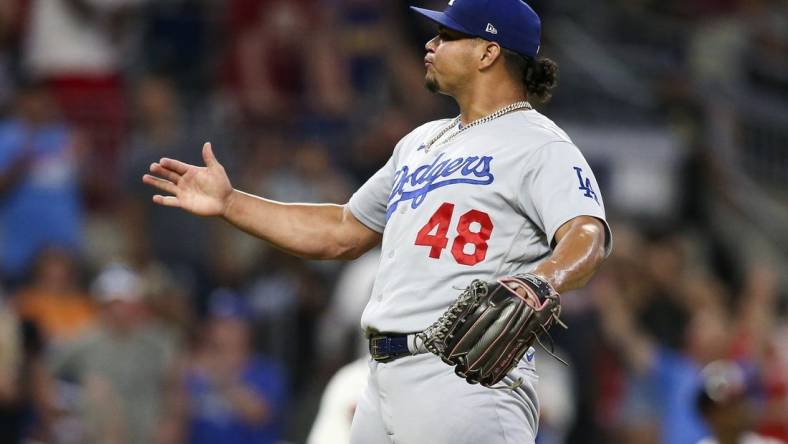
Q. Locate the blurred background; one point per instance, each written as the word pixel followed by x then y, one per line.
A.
pixel 121 322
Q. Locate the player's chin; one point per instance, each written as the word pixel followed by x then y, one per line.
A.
pixel 431 84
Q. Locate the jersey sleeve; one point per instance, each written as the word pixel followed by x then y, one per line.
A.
pixel 559 186
pixel 369 203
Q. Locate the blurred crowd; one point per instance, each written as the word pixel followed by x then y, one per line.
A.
pixel 124 322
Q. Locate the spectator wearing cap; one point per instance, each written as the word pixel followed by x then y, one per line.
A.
pixel 232 395
pixel 663 381
pixel 723 401
pixel 120 371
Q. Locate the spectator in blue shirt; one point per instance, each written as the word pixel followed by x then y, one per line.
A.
pixel 39 190
pixel 233 396
pixel 668 380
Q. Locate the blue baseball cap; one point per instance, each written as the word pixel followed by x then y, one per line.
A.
pixel 510 23
pixel 225 303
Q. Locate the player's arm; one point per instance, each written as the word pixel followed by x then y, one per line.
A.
pixel 314 231
pixel 580 249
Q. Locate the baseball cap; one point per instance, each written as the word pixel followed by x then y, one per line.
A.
pixel 117 282
pixel 225 303
pixel 721 382
pixel 510 23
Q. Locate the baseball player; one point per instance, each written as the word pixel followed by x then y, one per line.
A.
pixel 496 191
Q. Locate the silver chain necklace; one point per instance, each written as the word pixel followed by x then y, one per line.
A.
pixel 454 124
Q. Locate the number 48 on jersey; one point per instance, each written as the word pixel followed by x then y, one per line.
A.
pixel 473 231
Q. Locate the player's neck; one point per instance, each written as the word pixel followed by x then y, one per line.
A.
pixel 480 102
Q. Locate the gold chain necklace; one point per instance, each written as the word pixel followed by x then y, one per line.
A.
pixel 516 106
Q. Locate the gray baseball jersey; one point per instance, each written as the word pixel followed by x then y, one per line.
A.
pixel 486 203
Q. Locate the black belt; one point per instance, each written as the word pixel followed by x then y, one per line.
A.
pixel 386 348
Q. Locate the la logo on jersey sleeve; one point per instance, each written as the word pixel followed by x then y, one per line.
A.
pixel 585 185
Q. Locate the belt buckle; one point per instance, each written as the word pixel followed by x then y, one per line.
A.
pixel 374 349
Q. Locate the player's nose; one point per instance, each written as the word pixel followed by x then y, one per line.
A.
pixel 430 45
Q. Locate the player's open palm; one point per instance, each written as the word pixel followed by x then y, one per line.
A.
pixel 200 190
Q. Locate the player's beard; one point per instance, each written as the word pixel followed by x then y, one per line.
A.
pixel 431 84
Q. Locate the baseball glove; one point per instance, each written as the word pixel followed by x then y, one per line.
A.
pixel 488 329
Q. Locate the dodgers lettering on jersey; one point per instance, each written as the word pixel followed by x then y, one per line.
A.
pixel 485 204
pixel 441 172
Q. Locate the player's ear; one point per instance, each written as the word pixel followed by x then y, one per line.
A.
pixel 489 53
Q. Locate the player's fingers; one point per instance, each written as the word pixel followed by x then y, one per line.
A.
pixel 208 156
pixel 165 173
pixel 167 201
pixel 164 185
pixel 517 288
pixel 175 165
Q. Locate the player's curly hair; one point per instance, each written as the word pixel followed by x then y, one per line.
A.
pixel 539 76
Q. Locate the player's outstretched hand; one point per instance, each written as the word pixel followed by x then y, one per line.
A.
pixel 204 191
